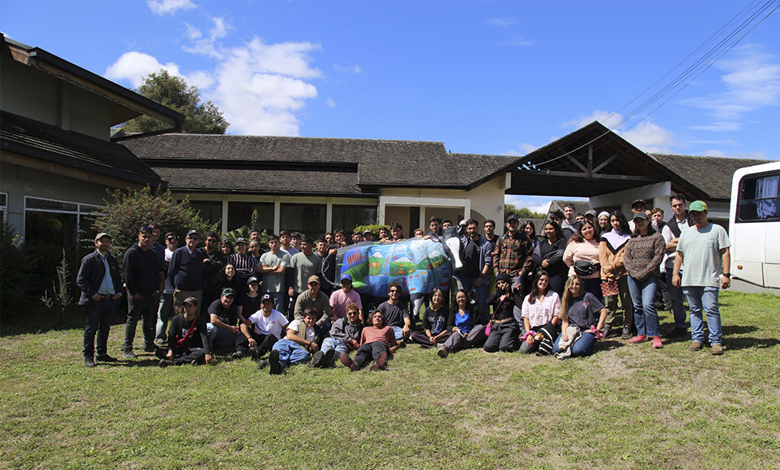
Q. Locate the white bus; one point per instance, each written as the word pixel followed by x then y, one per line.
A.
pixel 754 225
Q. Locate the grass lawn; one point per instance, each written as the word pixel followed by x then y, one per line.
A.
pixel 628 406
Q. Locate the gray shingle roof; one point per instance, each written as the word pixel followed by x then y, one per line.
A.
pixel 35 139
pixel 711 176
pixel 373 162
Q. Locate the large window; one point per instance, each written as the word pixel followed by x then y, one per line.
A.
pixel 759 198
pixel 240 215
pixel 3 206
pixel 210 211
pixel 309 219
pixel 349 217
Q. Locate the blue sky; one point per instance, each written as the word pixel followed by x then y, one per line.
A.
pixel 502 77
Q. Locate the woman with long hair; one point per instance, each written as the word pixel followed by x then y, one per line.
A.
pixel 548 255
pixel 582 257
pixel 434 323
pixel 613 274
pixel 642 260
pixel 464 326
pixel 540 310
pixel 582 315
pixel 604 225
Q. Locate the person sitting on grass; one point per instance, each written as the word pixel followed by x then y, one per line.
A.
pixel 505 331
pixel 344 334
pixel 267 326
pixel 188 339
pixel 540 315
pixel 578 317
pixel 304 338
pixel 396 312
pixel 434 323
pixel 376 342
pixel 224 319
pixel 464 326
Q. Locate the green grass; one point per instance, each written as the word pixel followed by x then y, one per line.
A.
pixel 625 407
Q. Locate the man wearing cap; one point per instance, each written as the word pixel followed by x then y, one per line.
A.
pixel 262 330
pixel 101 286
pixel 512 253
pixel 186 271
pixel 223 327
pixel 591 217
pixel 188 341
pixel 675 226
pixel 341 298
pixel 368 236
pixel 303 265
pixel 703 254
pixel 142 275
pixel 636 206
pixel 213 262
pixel 313 298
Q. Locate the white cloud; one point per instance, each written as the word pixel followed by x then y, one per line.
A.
pixel 331 103
pixel 516 41
pixel 714 153
pixel 135 66
pixel 525 149
pixel 646 135
pixel 356 69
pixel 162 7
pixel 206 45
pixel 604 117
pixel 752 81
pixel 506 21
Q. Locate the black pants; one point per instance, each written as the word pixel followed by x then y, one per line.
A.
pixel 264 342
pixel 184 355
pixel 144 309
pixel 100 316
pixel 504 337
pixel 369 352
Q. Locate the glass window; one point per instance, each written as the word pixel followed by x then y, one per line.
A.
pixel 50 204
pixel 210 211
pixel 240 215
pixel 309 219
pixel 3 205
pixel 759 198
pixel 348 217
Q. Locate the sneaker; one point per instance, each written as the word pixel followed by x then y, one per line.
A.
pixel 443 351
pixel 696 346
pixel 105 358
pixel 626 332
pixel 327 360
pixel 89 362
pixel 150 348
pixel 130 354
pixel 637 339
pixel 717 349
pixel 657 344
pixel 161 343
pixel 262 364
pixel 316 359
pixel 273 361
pixel 677 332
pixel 255 353
pixel 606 330
pixel 380 362
pixel 165 363
pixel 238 355
pixel 347 361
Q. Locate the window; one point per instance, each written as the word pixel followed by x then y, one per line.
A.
pixel 759 198
pixel 240 215
pixel 348 217
pixel 3 206
pixel 56 223
pixel 210 211
pixel 309 219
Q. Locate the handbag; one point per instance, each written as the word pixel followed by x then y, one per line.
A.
pixel 609 288
pixel 585 268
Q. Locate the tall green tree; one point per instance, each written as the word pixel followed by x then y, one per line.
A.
pixel 173 92
pixel 522 213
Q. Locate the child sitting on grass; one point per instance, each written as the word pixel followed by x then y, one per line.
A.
pixel 376 342
pixel 303 338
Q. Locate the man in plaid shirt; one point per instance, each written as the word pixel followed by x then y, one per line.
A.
pixel 512 254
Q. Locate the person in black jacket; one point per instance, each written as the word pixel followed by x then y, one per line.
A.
pixel 101 286
pixel 188 340
pixel 143 276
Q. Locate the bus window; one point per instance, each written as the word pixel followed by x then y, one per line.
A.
pixel 759 198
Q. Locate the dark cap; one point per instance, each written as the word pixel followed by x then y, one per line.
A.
pixel 101 235
pixel 191 300
pixel 251 280
pixel 513 217
pixel 640 215
pixel 229 291
pixel 192 232
pixel 504 277
pixel 240 240
pixel 145 229
pixel 638 201
pixel 266 297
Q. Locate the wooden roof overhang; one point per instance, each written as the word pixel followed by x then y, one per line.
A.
pixel 588 162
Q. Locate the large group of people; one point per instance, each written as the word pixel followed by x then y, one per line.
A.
pixel 278 302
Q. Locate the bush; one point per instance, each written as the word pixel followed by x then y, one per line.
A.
pixel 374 229
pixel 127 211
pixel 13 273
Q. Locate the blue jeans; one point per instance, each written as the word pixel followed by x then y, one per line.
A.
pixel 643 298
pixel 333 343
pixel 582 347
pixel 164 311
pixel 676 293
pixel 399 332
pixel 290 352
pixel 221 336
pixel 705 298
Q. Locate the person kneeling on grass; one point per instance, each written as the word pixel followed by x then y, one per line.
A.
pixel 376 342
pixel 344 335
pixel 304 337
pixel 578 319
pixel 188 339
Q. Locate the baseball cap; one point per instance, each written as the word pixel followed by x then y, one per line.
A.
pixel 229 291
pixel 698 206
pixel 101 235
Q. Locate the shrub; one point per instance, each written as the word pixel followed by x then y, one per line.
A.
pixel 13 273
pixel 374 229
